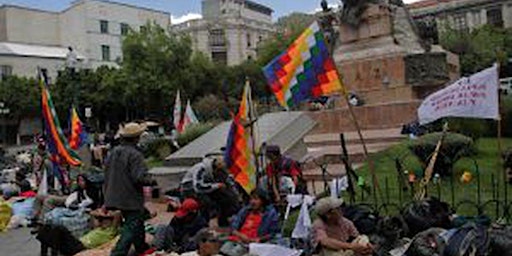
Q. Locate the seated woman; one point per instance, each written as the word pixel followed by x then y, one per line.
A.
pixel 78 199
pixel 257 222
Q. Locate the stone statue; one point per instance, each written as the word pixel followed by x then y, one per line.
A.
pixel 353 9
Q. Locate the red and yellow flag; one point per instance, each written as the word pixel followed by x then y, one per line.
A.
pixel 239 155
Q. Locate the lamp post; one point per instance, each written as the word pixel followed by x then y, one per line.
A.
pixel 4 112
pixel 71 67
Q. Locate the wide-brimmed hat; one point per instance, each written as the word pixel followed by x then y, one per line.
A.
pixel 326 204
pixel 131 130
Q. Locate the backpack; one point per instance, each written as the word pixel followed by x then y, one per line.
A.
pixel 471 239
pixel 425 214
pixel 500 241
pixel 59 238
pixel 363 218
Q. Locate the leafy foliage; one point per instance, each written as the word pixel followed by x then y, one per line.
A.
pixel 453 148
pixel 479 48
pixel 193 132
pixel 21 96
pixel 288 29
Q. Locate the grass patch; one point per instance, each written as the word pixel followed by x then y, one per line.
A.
pixel 488 167
pixel 153 162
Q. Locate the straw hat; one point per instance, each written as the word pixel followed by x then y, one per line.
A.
pixel 132 130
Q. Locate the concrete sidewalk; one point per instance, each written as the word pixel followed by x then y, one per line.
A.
pixel 19 242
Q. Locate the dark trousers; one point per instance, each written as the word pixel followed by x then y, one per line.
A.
pixel 132 232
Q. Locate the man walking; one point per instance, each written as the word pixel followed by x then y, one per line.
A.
pixel 125 175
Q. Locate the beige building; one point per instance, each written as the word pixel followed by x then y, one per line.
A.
pixel 93 28
pixel 463 15
pixel 230 30
pixel 26 59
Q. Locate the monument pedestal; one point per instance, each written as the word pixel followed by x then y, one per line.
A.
pixel 384 62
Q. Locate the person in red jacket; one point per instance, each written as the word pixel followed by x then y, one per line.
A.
pixel 280 166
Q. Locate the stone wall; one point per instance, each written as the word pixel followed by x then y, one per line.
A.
pixel 379 116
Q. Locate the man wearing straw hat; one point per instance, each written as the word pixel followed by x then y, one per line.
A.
pixel 334 234
pixel 125 175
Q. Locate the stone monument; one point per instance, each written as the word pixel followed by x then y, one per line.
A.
pixel 384 61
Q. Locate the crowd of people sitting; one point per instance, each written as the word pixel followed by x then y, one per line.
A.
pixel 73 211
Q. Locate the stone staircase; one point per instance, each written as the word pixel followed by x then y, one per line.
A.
pixel 325 149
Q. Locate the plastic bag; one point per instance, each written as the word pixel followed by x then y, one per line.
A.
pixel 5 215
pixel 23 208
pixel 98 237
pixel 43 186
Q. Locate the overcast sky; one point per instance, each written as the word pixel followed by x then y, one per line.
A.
pixel 183 9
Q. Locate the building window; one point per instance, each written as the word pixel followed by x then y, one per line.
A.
pixel 495 17
pixel 217 37
pixel 249 43
pixel 220 57
pixel 477 18
pixel 105 53
pixel 124 29
pixel 460 22
pixel 5 71
pixel 104 26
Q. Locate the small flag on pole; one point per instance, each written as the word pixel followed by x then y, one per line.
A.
pixel 57 142
pixel 304 71
pixel 239 155
pixel 472 97
pixel 177 113
pixel 78 136
pixel 189 117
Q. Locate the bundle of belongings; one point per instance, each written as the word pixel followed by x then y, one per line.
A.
pixel 70 232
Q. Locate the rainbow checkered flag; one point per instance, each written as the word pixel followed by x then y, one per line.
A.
pixel 239 155
pixel 58 144
pixel 304 71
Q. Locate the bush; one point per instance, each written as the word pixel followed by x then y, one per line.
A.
pixel 454 147
pixel 193 132
pixel 159 148
pixel 212 107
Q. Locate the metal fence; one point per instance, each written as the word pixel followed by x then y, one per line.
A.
pixel 485 195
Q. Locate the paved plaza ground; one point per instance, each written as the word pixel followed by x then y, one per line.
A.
pixel 18 242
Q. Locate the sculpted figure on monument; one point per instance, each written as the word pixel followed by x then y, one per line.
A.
pixel 353 9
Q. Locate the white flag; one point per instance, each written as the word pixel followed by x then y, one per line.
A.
pixel 189 113
pixel 177 113
pixel 474 97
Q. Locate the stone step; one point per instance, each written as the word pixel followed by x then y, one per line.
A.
pixel 332 154
pixel 370 137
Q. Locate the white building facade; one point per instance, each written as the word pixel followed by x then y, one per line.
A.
pixel 230 30
pixel 93 28
pixel 463 15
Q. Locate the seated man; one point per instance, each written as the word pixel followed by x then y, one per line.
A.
pixel 257 222
pixel 208 242
pixel 336 235
pixel 282 166
pixel 177 235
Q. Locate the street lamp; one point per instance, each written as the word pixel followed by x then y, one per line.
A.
pixel 71 67
pixel 4 112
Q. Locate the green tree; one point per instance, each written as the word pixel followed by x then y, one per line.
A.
pixel 156 64
pixel 288 29
pixel 479 48
pixel 21 95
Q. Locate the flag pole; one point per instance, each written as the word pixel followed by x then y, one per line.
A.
pixel 371 165
pixel 327 27
pixel 499 134
pixel 253 118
